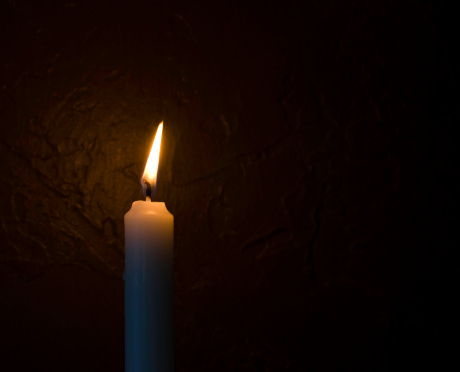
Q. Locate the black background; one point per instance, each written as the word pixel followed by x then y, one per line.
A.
pixel 308 159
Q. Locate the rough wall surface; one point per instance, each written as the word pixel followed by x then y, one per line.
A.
pixel 307 159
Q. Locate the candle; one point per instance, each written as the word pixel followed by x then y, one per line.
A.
pixel 149 234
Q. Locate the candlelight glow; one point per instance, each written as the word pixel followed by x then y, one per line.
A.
pixel 151 168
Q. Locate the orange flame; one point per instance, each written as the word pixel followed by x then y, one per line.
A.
pixel 151 168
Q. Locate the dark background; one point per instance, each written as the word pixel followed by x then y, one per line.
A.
pixel 307 159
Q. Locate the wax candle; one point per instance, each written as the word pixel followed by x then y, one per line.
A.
pixel 149 234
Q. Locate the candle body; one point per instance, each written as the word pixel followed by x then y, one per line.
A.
pixel 149 311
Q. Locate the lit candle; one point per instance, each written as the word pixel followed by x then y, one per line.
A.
pixel 149 234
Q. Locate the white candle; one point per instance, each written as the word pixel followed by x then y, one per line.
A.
pixel 149 313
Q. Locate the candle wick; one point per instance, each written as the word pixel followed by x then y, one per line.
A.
pixel 148 191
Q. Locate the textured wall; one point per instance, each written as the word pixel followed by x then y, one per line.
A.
pixel 307 159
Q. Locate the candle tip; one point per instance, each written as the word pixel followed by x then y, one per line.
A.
pixel 148 192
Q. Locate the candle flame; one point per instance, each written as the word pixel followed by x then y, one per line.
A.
pixel 151 168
